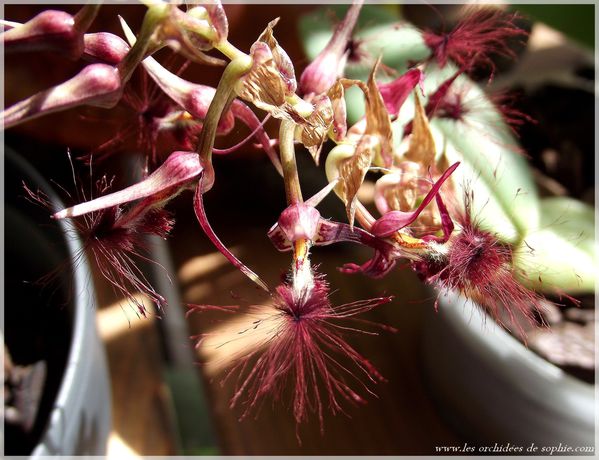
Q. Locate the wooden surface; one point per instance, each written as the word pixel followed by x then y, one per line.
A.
pixel 141 408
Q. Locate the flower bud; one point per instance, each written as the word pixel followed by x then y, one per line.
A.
pixel 299 221
pixel 322 73
pixel 167 181
pixel 104 47
pixel 50 30
pixel 98 85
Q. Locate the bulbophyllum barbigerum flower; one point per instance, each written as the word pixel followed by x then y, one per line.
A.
pixel 298 339
pixel 193 101
pixel 180 171
pixel 370 140
pixel 303 222
pixel 476 263
pixel 270 85
pixel 483 32
pixel 115 239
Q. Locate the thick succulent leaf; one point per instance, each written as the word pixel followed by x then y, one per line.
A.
pixel 562 254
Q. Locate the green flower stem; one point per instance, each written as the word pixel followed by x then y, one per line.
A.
pixel 230 50
pixel 86 15
pixel 290 174
pixel 222 99
pixel 155 14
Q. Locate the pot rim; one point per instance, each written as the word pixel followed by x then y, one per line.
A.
pixel 84 303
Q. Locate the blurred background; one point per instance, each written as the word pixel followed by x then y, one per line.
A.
pixel 166 398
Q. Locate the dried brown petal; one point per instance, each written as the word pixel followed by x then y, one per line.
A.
pixel 422 145
pixel 339 124
pixel 399 190
pixel 271 79
pixel 280 57
pixel 352 172
pixel 263 85
pixel 377 119
pixel 337 96
pixel 315 129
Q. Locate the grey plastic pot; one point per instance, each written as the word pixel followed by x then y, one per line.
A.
pixel 80 419
pixel 493 389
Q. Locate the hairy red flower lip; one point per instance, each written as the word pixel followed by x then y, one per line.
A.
pixel 305 349
pixel 479 266
pixel 482 33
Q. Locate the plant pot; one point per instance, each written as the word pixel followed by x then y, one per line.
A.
pixel 58 323
pixel 491 388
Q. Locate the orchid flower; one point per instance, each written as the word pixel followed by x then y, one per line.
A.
pixel 301 343
pixel 180 171
pixel 195 100
pixel 115 238
pixel 481 33
pixel 102 84
pixel 477 264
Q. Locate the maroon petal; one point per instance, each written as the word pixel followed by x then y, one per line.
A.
pixel 377 267
pixel 175 173
pixel 396 92
pixel 396 220
pixel 446 222
pixel 200 212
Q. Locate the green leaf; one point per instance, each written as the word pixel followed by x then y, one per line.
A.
pixel 562 253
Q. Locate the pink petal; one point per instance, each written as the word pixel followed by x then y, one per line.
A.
pixel 97 84
pixel 322 73
pixel 178 169
pixel 396 92
pixel 104 47
pixel 396 220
